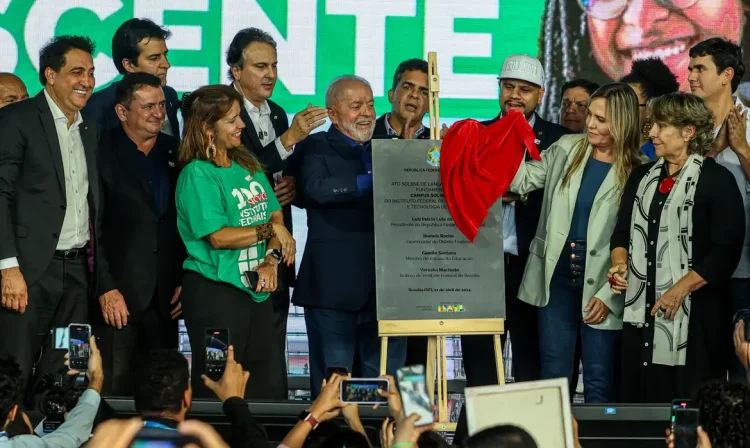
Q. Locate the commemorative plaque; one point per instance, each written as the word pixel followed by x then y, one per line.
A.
pixel 425 267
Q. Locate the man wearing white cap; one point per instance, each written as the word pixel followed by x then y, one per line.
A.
pixel 520 82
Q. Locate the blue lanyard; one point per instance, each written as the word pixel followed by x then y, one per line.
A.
pixel 150 424
pixel 3 434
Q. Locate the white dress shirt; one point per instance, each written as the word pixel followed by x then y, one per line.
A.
pixel 75 228
pixel 729 160
pixel 510 236
pixel 263 125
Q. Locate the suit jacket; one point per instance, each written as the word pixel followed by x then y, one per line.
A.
pixel 338 266
pixel 554 225
pixel 527 213
pixel 101 108
pixel 381 132
pixel 141 249
pixel 272 163
pixel 32 184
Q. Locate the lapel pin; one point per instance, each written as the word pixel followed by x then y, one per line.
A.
pixel 275 117
pixel 537 141
pixel 171 163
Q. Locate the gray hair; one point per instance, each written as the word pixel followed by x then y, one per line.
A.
pixel 243 38
pixel 334 88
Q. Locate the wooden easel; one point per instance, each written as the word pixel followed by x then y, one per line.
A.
pixel 438 330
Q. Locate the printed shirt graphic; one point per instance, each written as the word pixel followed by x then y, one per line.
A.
pixel 210 198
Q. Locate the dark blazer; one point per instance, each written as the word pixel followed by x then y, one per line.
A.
pixel 381 132
pixel 101 108
pixel 32 184
pixel 338 266
pixel 142 251
pixel 527 213
pixel 272 163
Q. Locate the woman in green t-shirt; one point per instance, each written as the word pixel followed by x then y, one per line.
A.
pixel 233 229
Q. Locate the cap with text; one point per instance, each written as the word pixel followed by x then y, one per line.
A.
pixel 523 67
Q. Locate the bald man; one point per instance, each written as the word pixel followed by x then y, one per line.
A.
pixel 12 89
pixel 336 280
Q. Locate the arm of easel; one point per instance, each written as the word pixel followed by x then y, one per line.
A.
pixel 434 96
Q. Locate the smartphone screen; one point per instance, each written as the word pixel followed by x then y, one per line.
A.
pixel 60 340
pixel 363 390
pixel 78 346
pixel 414 397
pixel 217 346
pixel 685 428
pixel 677 404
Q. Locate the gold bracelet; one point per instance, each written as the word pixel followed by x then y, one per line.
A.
pixel 265 231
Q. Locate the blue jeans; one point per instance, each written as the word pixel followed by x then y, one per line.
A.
pixel 740 301
pixel 559 324
pixel 334 336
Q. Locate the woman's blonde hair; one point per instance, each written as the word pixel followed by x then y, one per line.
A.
pixel 201 110
pixel 681 109
pixel 623 118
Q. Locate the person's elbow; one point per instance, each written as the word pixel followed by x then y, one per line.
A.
pixel 217 240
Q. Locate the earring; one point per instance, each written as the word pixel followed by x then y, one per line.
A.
pixel 211 150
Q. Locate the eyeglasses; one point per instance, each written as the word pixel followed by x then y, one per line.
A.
pixel 579 105
pixel 611 9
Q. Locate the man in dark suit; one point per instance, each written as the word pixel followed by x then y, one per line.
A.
pixel 139 45
pixel 336 282
pixel 49 207
pixel 139 285
pixel 252 60
pixel 520 82
pixel 409 98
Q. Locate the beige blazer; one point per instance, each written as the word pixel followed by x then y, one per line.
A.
pixel 554 226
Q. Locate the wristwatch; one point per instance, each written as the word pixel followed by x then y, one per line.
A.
pixel 308 417
pixel 275 253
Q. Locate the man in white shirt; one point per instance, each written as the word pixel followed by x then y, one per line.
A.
pixel 48 202
pixel 252 69
pixel 716 69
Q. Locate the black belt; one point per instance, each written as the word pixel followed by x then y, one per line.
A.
pixel 72 254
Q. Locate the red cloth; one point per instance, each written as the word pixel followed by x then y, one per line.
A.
pixel 478 163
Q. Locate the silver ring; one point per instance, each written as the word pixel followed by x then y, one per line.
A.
pixel 263 283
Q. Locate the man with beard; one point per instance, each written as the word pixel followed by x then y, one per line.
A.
pixel 139 45
pixel 409 103
pixel 716 68
pixel 336 281
pixel 520 82
pixel 252 63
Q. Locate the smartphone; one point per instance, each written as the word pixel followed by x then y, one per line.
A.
pixel 252 280
pixel 78 346
pixel 343 371
pixel 160 438
pixel 363 390
pixel 60 338
pixel 677 404
pixel 217 347
pixel 412 384
pixel 685 428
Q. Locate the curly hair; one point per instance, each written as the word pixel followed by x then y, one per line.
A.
pixel 653 76
pixel 10 387
pixel 681 109
pixel 160 379
pixel 724 413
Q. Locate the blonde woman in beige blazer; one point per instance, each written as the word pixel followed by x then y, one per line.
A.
pixel 566 274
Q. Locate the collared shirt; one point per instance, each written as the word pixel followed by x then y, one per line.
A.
pixel 75 228
pixel 154 166
pixel 392 132
pixel 510 236
pixel 729 160
pixel 166 127
pixel 263 125
pixel 75 431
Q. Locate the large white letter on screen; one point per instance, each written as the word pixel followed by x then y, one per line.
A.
pixel 296 52
pixel 440 16
pixel 184 37
pixel 8 46
pixel 369 60
pixel 41 23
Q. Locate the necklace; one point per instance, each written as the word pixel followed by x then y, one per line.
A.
pixel 666 185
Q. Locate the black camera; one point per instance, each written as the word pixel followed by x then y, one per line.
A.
pixel 59 394
pixel 743 315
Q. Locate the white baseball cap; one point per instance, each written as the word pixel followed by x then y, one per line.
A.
pixel 523 67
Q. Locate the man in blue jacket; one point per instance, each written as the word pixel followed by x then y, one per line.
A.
pixel 336 280
pixel 139 45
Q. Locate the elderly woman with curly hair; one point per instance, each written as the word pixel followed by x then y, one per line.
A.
pixel 677 241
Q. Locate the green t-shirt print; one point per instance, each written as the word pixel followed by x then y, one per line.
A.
pixel 210 198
